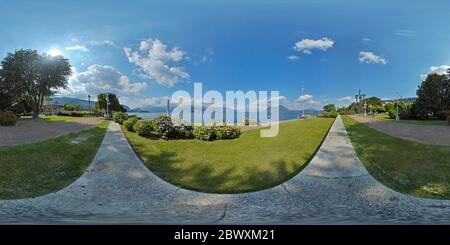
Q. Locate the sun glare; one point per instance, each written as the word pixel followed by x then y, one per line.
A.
pixel 54 52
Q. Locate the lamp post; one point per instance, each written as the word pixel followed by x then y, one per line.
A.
pixel 168 106
pixel 107 107
pixel 397 118
pixel 303 106
pixel 89 100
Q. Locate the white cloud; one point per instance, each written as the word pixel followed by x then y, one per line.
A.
pixel 442 69
pixel 306 97
pixel 405 33
pixel 345 99
pixel 157 63
pixel 103 42
pixel 366 39
pixel 307 45
pixel 293 57
pixel 369 57
pixel 77 48
pixel 100 79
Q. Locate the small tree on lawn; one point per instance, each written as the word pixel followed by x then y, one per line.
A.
pixel 329 108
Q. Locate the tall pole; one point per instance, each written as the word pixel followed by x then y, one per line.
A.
pixel 397 118
pixel 303 106
pixel 89 100
pixel 107 106
pixel 168 105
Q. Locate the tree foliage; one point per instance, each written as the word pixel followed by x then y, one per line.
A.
pixel 374 101
pixel 113 105
pixel 433 96
pixel 329 108
pixel 29 77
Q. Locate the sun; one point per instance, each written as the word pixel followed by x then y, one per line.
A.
pixel 54 52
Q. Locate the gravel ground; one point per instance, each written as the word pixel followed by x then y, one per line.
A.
pixel 29 131
pixel 432 135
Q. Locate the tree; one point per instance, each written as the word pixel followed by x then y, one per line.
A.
pixel 433 96
pixel 113 104
pixel 374 101
pixel 31 77
pixel 329 108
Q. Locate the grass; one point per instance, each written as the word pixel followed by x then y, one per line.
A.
pixel 386 117
pixel 408 167
pixel 36 169
pixel 51 118
pixel 249 163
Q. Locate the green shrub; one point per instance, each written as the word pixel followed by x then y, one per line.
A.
pixel 392 114
pixel 216 132
pixel 346 112
pixel 379 109
pixel 227 132
pixel 163 126
pixel 143 128
pixel 8 118
pixel 71 114
pixel 328 114
pixel 204 133
pixel 129 123
pixel 182 132
pixel 120 117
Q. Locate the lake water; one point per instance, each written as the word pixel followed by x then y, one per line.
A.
pixel 151 115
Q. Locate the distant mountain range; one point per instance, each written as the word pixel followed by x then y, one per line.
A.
pixel 408 100
pixel 163 109
pixel 84 104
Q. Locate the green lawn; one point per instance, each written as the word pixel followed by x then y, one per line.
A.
pixel 416 122
pixel 405 166
pixel 248 163
pixel 40 168
pixel 52 118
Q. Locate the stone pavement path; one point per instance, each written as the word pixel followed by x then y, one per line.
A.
pixel 334 188
pixel 29 131
pixel 433 135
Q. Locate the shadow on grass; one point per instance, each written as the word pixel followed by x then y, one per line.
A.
pixel 216 178
pixel 412 168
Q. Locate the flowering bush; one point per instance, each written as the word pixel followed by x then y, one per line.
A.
pixel 163 126
pixel 216 132
pixel 182 132
pixel 227 132
pixel 8 118
pixel 120 117
pixel 129 123
pixel 204 133
pixel 143 128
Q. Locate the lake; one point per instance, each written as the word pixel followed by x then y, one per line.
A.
pixel 151 115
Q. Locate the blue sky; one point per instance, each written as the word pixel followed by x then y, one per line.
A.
pixel 144 51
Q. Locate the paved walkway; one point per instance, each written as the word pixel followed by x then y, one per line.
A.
pixel 334 188
pixel 433 135
pixel 29 131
